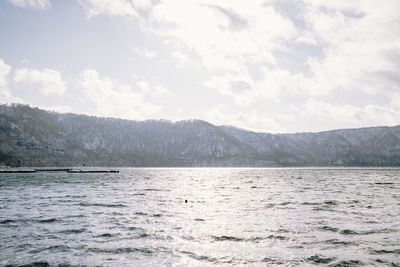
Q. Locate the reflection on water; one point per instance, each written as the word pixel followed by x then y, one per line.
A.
pixel 343 217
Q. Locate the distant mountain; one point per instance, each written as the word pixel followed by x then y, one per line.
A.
pixel 34 137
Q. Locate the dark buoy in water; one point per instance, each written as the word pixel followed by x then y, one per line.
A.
pixel 185 200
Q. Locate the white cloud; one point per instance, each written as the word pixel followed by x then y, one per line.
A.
pixel 240 87
pixel 260 57
pixel 361 42
pixel 113 99
pixel 355 6
pixel 226 34
pixel 253 120
pixel 131 8
pixel 245 90
pixel 31 3
pixel 61 108
pixel 395 100
pixel 47 81
pixel 368 115
pixel 152 88
pixel 181 59
pixel 108 7
pixel 145 52
pixel 149 54
pixel 276 81
pixel 307 40
pixel 5 93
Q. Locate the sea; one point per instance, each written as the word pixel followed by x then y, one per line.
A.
pixel 202 217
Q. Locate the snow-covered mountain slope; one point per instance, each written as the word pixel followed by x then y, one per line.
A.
pixel 34 137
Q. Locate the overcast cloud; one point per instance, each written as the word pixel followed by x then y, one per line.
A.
pixel 272 66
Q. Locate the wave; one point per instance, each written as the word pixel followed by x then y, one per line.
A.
pixel 144 235
pixel 348 263
pixel 227 238
pixel 106 235
pixel 155 189
pixel 51 220
pixel 134 228
pixel 329 228
pixel 33 264
pixel 328 203
pixel 367 232
pixel 85 204
pixel 318 259
pixel 239 239
pixel 384 251
pixel 349 232
pixel 222 260
pixel 73 231
pixel 8 221
pixel 60 248
pixel 381 262
pixel 338 242
pixel 19 221
pixel 280 237
pixel 273 261
pixel 120 250
pixel 200 257
pixel 140 213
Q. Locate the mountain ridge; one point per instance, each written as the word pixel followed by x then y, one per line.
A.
pixel 35 137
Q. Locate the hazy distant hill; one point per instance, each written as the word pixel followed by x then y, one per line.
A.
pixel 34 137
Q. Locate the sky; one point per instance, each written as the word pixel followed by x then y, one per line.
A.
pixel 279 66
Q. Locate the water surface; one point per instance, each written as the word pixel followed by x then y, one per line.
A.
pixel 259 217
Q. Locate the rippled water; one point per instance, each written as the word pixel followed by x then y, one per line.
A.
pixel 260 217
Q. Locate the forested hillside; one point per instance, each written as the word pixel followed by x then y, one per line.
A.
pixel 34 137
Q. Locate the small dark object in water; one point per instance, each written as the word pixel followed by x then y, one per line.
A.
pixel 185 200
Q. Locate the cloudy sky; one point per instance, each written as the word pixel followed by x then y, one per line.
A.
pixel 270 65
